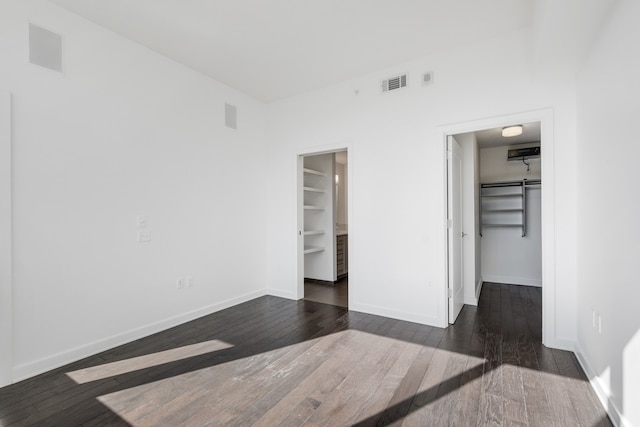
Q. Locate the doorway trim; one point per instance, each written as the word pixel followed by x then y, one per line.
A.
pixel 299 157
pixel 545 117
pixel 6 246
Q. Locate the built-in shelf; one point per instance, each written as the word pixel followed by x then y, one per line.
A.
pixel 312 172
pixel 312 249
pixel 313 190
pixel 318 217
pixel 503 205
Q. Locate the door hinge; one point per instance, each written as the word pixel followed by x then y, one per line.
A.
pixel 450 292
pixel 448 223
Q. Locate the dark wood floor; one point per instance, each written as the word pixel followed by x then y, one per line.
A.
pixel 274 362
pixel 336 294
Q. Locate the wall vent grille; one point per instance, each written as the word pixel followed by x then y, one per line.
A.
pixel 45 48
pixel 394 83
pixel 230 116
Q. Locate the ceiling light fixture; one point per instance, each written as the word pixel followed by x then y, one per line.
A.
pixel 510 131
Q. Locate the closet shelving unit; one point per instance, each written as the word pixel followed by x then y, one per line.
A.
pixel 313 202
pixel 504 204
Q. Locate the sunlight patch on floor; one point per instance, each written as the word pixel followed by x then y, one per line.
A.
pixel 120 367
pixel 327 369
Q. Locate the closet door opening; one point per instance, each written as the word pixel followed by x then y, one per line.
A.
pixel 510 215
pixel 323 229
pixel 502 215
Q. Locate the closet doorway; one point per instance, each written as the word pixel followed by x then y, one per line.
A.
pixel 508 208
pixel 509 214
pixel 323 227
pixel 500 196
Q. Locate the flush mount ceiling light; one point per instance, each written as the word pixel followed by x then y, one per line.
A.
pixel 510 131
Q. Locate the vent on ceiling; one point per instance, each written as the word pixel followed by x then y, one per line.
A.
pixel 45 48
pixel 393 83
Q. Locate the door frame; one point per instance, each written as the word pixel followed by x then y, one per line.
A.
pixel 545 117
pixel 6 246
pixel 299 158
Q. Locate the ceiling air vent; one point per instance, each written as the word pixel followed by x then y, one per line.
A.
pixel 393 83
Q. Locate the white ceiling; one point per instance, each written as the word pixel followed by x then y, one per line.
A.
pixel 272 49
pixel 493 137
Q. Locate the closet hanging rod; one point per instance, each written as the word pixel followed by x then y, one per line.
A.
pixel 525 182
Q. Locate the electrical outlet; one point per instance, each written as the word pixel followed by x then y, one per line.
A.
pixel 180 283
pixel 189 281
pixel 144 236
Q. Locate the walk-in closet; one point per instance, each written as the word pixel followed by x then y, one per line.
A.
pixel 509 213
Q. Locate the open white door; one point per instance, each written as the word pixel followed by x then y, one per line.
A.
pixel 455 234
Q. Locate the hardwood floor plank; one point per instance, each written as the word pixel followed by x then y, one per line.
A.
pixel 403 397
pixel 384 403
pixel 344 405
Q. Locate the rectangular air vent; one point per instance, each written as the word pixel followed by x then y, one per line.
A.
pixel 523 153
pixel 45 48
pixel 393 83
pixel 230 116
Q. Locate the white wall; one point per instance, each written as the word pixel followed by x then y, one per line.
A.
pixel 609 208
pixel 396 233
pixel 494 166
pixel 507 257
pixel 6 288
pixel 123 132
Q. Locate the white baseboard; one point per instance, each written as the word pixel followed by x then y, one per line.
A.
pixel 282 294
pixel 602 391
pixel 560 344
pixel 31 369
pixel 525 281
pixel 473 300
pixel 396 314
